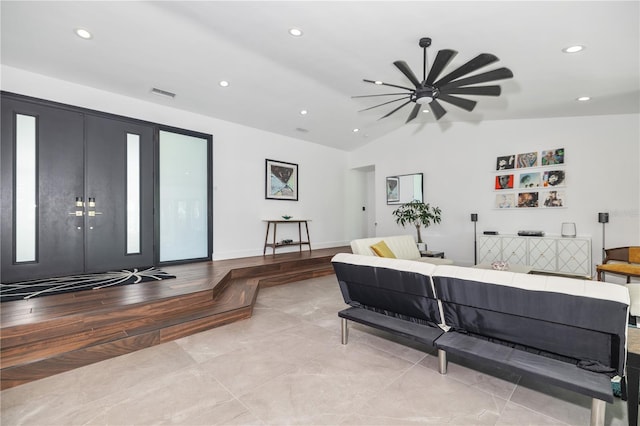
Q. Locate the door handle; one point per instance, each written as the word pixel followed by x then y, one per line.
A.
pixel 79 205
pixel 92 205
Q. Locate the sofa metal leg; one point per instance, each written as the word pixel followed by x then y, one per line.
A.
pixel 598 408
pixel 442 361
pixel 345 331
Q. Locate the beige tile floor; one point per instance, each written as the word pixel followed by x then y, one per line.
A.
pixel 286 365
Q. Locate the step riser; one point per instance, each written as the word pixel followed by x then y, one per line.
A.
pixel 53 350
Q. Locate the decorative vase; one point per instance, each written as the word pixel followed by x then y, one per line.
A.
pixel 422 247
pixel 568 229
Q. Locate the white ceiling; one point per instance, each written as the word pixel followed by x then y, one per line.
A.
pixel 188 47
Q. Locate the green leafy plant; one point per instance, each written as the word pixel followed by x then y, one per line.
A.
pixel 417 214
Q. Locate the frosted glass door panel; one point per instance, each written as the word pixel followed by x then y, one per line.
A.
pixel 183 197
pixel 133 193
pixel 26 187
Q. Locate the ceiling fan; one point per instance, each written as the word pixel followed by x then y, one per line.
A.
pixel 431 90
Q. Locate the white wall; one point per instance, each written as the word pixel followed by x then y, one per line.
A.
pixel 239 155
pixel 458 161
pixel 602 157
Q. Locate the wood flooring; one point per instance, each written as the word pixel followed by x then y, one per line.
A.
pixel 44 336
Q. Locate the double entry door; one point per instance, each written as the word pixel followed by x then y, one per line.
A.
pixel 77 192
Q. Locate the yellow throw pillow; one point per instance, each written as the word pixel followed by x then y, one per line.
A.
pixel 381 249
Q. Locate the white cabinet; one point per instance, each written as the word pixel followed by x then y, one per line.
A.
pixel 514 250
pixel 574 256
pixel 489 249
pixel 543 254
pixel 571 256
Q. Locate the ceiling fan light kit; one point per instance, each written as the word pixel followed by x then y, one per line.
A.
pixel 431 90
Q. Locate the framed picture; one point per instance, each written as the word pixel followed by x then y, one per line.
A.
pixel 551 157
pixel 528 159
pixel 506 162
pixel 554 199
pixel 504 182
pixel 505 201
pixel 553 178
pixel 530 180
pixel 281 180
pixel 393 189
pixel 527 199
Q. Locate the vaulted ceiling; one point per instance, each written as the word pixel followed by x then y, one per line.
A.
pixel 187 48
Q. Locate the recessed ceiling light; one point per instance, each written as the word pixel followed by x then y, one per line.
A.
pixel 224 83
pixel 425 111
pixel 573 49
pixel 304 112
pixel 295 32
pixel 82 33
pixel 378 82
pixel 583 98
pixel 356 130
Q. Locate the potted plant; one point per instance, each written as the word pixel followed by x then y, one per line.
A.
pixel 418 214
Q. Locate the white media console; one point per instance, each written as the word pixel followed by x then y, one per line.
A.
pixel 561 255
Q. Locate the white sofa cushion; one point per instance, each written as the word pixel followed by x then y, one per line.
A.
pixel 402 246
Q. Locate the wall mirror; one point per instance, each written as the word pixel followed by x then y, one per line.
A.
pixel 404 188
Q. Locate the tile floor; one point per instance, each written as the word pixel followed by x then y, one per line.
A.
pixel 286 365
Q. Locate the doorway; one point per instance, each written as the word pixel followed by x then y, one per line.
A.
pixel 77 191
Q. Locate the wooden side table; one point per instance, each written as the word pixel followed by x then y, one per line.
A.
pixel 274 245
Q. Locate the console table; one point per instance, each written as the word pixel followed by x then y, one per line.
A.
pixel 561 255
pixel 274 245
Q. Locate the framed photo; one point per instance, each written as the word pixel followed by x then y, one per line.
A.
pixel 530 180
pixel 393 189
pixel 528 159
pixel 505 201
pixel 552 157
pixel 281 180
pixel 506 162
pixel 553 178
pixel 554 199
pixel 527 199
pixel 504 182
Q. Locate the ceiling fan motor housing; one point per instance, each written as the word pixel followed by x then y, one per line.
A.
pixel 425 42
pixel 424 95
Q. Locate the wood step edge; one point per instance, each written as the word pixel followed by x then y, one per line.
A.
pixel 48 345
pixel 296 276
pixel 66 361
pixel 8 333
pixel 265 270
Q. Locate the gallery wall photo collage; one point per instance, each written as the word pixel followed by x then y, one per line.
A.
pixel 531 180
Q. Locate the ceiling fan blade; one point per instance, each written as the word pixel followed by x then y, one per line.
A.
pixel 385 103
pixel 437 109
pixel 414 113
pixel 465 104
pixel 373 96
pixel 442 60
pixel 389 113
pixel 499 74
pixel 478 62
pixel 404 68
pixel 477 90
pixel 387 84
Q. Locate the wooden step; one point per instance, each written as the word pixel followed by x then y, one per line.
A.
pixel 40 340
